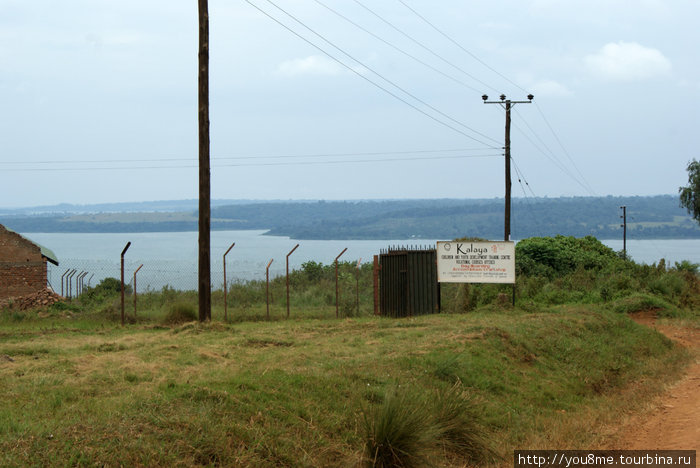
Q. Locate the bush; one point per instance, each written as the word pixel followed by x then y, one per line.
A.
pixel 685 265
pixel 180 313
pixel 560 255
pixel 313 271
pixel 106 289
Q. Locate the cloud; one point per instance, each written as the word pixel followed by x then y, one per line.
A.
pixel 627 61
pixel 312 65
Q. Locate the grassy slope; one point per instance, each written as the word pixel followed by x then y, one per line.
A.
pixel 293 393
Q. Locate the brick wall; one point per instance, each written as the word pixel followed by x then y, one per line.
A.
pixel 21 279
pixel 22 268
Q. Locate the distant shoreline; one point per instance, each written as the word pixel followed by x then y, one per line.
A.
pixel 659 217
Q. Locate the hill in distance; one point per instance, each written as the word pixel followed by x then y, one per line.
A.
pixel 656 217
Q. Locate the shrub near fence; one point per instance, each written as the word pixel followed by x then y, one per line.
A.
pixel 312 291
pixel 594 274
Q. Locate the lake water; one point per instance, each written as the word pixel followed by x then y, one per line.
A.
pixel 171 257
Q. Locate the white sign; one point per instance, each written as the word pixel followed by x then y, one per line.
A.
pixel 476 262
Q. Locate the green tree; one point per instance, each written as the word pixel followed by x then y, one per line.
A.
pixel 690 195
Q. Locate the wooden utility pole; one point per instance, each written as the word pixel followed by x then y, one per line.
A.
pixel 624 231
pixel 204 277
pixel 506 224
pixel 507 104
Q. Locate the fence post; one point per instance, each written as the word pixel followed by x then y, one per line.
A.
pixel 290 253
pixel 128 244
pixel 137 270
pixel 357 285
pixel 337 288
pixel 225 291
pixel 267 287
pixel 82 282
pixel 375 278
pixel 62 276
pixel 70 283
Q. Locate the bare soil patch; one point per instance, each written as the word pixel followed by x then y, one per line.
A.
pixel 672 421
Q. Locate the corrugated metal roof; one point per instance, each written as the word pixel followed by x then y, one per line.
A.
pixel 48 253
pixel 45 251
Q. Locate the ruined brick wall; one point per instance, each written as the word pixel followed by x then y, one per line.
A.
pixel 22 268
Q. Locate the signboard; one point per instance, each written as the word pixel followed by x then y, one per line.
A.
pixel 476 262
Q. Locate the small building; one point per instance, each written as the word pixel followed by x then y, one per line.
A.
pixel 408 282
pixel 23 265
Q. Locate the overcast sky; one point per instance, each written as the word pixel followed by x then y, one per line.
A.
pixel 98 98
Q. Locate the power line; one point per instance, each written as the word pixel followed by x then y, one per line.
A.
pixel 407 54
pixel 434 109
pixel 262 156
pixel 549 155
pixel 527 202
pixel 420 44
pixel 585 184
pixel 553 159
pixel 521 178
pixel 289 163
pixel 442 33
pixel 556 137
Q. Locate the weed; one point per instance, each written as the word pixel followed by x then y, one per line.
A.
pixel 446 367
pixel 180 313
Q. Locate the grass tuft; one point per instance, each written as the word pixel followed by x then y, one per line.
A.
pixel 406 429
pixel 459 423
pixel 399 432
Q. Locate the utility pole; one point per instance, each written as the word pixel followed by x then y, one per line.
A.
pixel 624 231
pixel 204 276
pixel 507 104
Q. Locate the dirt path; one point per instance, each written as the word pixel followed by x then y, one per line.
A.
pixel 673 421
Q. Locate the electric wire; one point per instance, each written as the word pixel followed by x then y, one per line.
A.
pixel 521 178
pixel 258 164
pixel 549 154
pixel 553 159
pixel 585 184
pixel 449 38
pixel 374 72
pixel 556 137
pixel 364 77
pixel 527 201
pixel 398 49
pixel 282 156
pixel 423 46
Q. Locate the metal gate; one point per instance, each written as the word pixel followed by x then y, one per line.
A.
pixel 408 282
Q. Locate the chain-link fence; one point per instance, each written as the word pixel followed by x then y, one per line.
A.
pixel 74 275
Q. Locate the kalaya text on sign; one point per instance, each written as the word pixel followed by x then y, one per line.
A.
pixel 476 262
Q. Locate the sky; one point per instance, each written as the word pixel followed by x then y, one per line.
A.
pixel 346 99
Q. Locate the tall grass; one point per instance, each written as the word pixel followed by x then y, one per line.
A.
pixel 411 428
pixel 400 432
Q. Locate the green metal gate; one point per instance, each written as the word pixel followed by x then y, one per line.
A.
pixel 408 282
